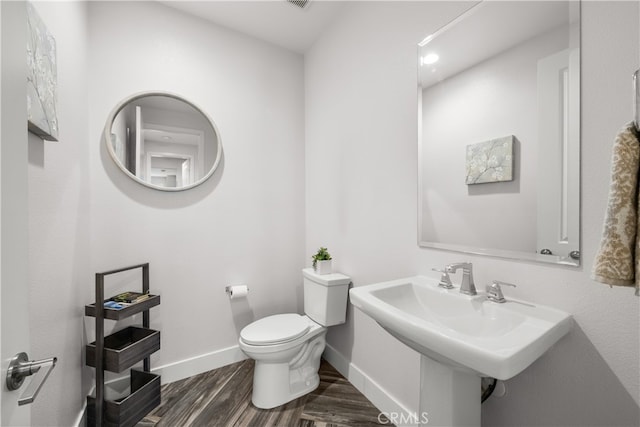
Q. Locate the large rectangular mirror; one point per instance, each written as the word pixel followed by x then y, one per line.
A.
pixel 499 132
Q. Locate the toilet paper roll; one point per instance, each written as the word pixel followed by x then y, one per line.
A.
pixel 237 291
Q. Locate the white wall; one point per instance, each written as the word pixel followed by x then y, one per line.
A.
pixel 59 274
pixel 361 185
pixel 246 223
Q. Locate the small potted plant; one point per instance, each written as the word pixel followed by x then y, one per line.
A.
pixel 322 261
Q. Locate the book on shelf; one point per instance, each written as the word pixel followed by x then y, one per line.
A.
pixel 130 297
pixel 112 305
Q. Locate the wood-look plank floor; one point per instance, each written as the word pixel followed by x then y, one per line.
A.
pixel 222 397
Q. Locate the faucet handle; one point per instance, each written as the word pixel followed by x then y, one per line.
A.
pixel 445 280
pixel 494 291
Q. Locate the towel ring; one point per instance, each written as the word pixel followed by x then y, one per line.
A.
pixel 636 104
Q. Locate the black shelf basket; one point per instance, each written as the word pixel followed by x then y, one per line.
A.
pixel 125 348
pixel 152 301
pixel 128 410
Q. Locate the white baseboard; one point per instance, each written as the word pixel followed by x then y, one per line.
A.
pixel 81 419
pixel 186 368
pixel 382 400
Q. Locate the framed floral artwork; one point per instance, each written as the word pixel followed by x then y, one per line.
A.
pixel 490 161
pixel 42 97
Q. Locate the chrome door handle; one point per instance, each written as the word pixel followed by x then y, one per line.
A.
pixel 21 367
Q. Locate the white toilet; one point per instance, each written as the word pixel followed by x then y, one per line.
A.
pixel 287 347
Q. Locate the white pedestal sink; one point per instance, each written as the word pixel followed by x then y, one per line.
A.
pixel 461 338
pixel 448 397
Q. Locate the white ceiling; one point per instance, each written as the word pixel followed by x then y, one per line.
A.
pixel 276 21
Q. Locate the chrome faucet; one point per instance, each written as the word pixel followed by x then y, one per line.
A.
pixel 467 286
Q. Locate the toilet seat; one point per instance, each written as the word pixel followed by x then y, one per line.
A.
pixel 276 329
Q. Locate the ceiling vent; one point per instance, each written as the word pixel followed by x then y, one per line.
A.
pixel 302 4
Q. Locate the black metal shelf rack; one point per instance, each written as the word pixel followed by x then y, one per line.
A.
pixel 120 351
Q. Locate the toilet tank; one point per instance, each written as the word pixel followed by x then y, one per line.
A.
pixel 325 297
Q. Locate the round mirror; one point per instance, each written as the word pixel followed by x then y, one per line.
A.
pixel 163 141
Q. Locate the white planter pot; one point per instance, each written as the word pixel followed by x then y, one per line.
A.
pixel 323 267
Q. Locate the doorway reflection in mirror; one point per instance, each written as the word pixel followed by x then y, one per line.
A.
pixel 164 142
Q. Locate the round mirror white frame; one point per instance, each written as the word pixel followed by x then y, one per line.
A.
pixel 192 170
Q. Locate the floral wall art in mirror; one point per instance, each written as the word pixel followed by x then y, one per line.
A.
pixel 163 141
pixel 490 161
pixel 42 97
pixel 499 132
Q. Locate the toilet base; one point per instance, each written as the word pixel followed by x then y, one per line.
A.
pixel 275 384
pixel 272 398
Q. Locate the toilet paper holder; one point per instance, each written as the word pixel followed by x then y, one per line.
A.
pixel 230 288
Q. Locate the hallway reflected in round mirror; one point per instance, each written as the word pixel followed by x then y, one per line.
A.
pixel 163 141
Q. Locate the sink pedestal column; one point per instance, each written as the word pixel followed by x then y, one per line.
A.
pixel 448 398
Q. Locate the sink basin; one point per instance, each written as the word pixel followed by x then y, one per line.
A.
pixel 468 333
pixel 461 338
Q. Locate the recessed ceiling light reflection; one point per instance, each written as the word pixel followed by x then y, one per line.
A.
pixel 429 59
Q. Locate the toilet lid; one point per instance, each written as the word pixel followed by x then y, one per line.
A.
pixel 275 329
